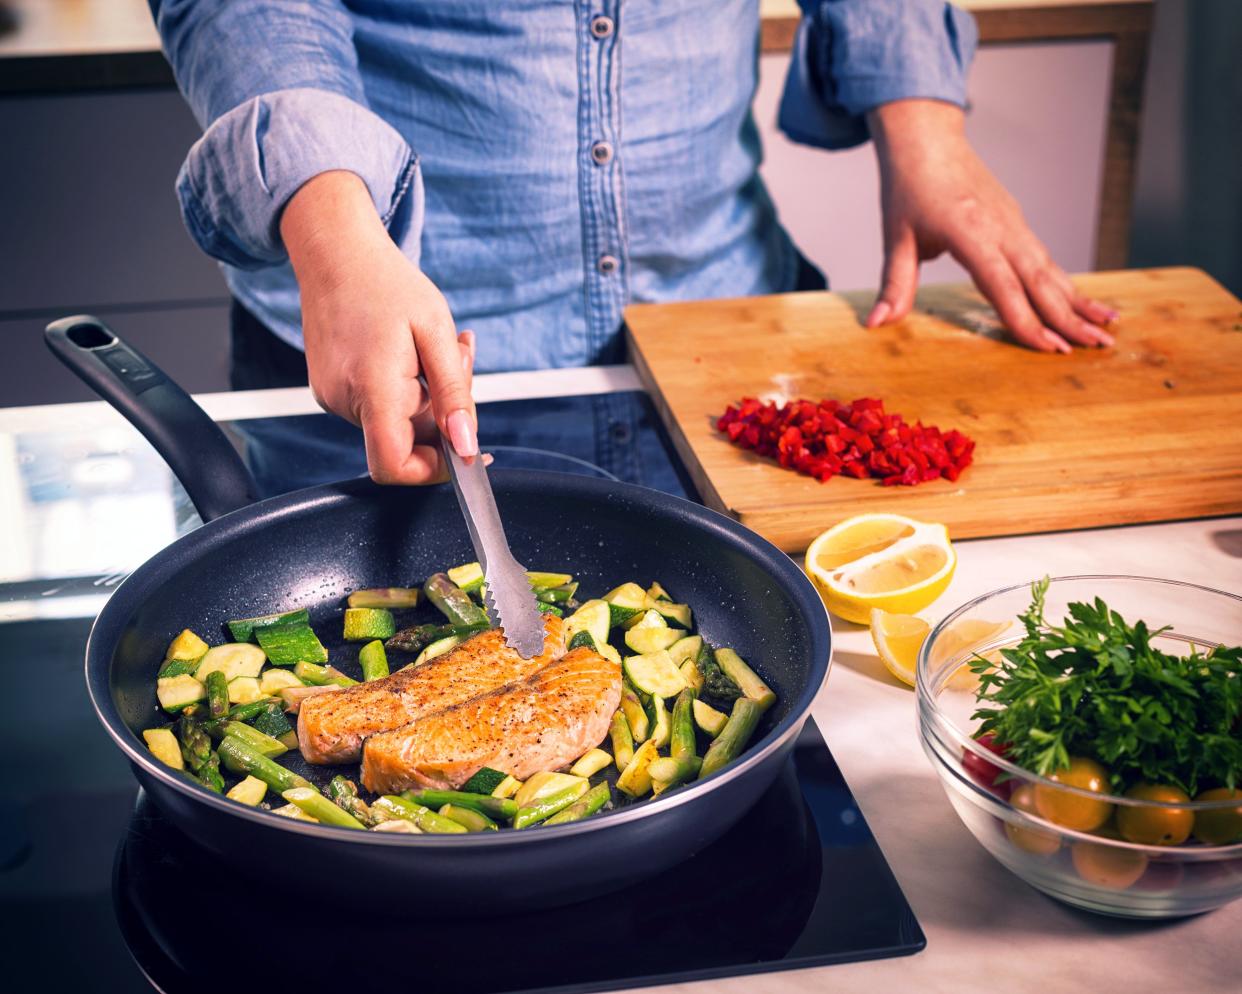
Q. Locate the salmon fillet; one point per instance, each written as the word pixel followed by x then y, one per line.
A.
pixel 542 722
pixel 332 727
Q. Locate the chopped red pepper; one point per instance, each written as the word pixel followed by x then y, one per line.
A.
pixel 858 439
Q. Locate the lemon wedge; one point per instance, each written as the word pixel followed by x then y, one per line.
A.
pixel 883 561
pixel 898 639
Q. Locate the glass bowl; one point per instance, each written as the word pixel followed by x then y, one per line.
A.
pixel 1086 869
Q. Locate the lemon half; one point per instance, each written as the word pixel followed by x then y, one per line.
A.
pixel 883 561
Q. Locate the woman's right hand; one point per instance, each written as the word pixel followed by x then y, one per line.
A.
pixel 373 322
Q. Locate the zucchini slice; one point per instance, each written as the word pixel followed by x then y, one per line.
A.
pixel 484 781
pixel 187 646
pixel 608 652
pixel 648 618
pixel 635 779
pixel 658 593
pixel 178 692
pixel 249 791
pixel 294 812
pixel 594 617
pixel 655 673
pixel 660 724
pixel 233 659
pixel 546 581
pixel 625 601
pixel 507 787
pixel 316 675
pixel 635 714
pixel 590 763
pixel 245 690
pixel 286 644
pixel 272 681
pixel 469 577
pixel 437 648
pixel 686 647
pixel 679 613
pixel 644 640
pixel 164 746
pixel 242 629
pixel 709 719
pixel 690 673
pixel 362 624
pixel 545 784
pixel 748 680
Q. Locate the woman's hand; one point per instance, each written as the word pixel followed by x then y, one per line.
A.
pixel 372 323
pixel 938 196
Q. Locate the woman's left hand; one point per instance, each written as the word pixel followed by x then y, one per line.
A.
pixel 938 196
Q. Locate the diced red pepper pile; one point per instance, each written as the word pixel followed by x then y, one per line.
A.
pixel 859 439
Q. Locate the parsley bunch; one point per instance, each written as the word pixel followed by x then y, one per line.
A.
pixel 1097 687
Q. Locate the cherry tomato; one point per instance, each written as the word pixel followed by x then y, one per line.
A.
pixel 1072 810
pixel 984 773
pixel 1107 866
pixel 1222 826
pixel 1038 841
pixel 1155 826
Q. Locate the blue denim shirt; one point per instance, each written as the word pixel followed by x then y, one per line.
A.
pixel 545 163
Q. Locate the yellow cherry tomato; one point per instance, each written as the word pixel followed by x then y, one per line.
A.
pixel 1222 826
pixel 1038 841
pixel 1107 866
pixel 1155 826
pixel 1072 810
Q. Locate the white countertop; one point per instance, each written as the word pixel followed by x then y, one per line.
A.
pixel 987 931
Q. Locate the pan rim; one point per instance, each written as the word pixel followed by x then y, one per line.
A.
pixel 133 590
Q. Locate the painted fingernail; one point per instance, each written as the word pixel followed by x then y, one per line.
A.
pixel 879 314
pixel 461 434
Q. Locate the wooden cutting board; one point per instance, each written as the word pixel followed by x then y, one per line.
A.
pixel 1148 431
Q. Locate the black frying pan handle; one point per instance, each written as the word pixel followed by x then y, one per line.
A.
pixel 191 443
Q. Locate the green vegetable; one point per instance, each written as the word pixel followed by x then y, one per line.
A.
pixel 217 694
pixel 209 776
pixel 344 793
pixel 395 598
pixel 709 719
pixel 581 640
pixel 374 661
pixel 417 639
pixel 1096 686
pixel 584 807
pixel 437 648
pixel 320 676
pixel 469 577
pixel 164 747
pixel 233 659
pixel 718 689
pixel 635 779
pixel 178 692
pixel 242 629
pixel 593 617
pixel 273 721
pixel 590 763
pixel 546 581
pixel 320 808
pixel 680 613
pixel 484 782
pixel 469 818
pixel 240 756
pixel 625 601
pixel 286 644
pixel 248 791
pixel 244 690
pixel 453 602
pixel 177 667
pixel 389 806
pixel 747 680
pixel 622 740
pixel 654 673
pixel 635 714
pixel 557 595
pixel 546 807
pixel 362 623
pixel 549 609
pixel 195 743
pixel 265 744
pixel 660 725
pixel 682 762
pixel 242 712
pixel 657 593
pixel 186 647
pixel 496 807
pixel 643 640
pixel 733 737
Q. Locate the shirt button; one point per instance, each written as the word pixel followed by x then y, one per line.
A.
pixel 602 27
pixel 607 264
pixel 601 152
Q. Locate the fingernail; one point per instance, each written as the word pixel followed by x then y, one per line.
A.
pixel 466 363
pixel 461 434
pixel 1057 342
pixel 1105 339
pixel 879 314
pixel 488 458
pixel 1112 315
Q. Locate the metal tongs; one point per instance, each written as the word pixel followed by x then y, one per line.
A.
pixel 507 596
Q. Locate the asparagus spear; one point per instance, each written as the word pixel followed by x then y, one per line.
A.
pixel 682 763
pixel 496 807
pixel 417 639
pixel 374 661
pixel 584 807
pixel 474 821
pixel 320 808
pixel 240 756
pixel 261 742
pixel 320 676
pixel 195 743
pixel 391 806
pixel 209 775
pixel 240 712
pixel 548 806
pixel 454 602
pixel 733 738
pixel 622 740
pixel 217 694
pixel 345 793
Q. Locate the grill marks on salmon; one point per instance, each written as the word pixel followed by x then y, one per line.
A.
pixel 542 722
pixel 332 727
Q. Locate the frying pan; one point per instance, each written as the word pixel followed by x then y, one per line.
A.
pixel 311 547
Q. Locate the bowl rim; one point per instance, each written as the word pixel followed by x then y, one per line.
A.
pixel 930 708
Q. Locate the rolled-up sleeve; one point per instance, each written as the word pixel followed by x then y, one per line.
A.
pixel 275 84
pixel 851 56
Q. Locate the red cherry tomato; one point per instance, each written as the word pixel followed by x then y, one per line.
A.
pixel 984 773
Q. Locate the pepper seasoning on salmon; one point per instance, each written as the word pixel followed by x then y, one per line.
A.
pixel 542 722
pixel 332 727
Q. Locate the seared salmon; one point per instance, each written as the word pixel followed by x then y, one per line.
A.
pixel 542 722
pixel 332 727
